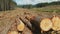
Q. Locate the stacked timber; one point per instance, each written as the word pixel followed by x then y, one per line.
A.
pixel 19 27
pixel 31 24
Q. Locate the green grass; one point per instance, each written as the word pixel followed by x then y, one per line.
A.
pixel 55 8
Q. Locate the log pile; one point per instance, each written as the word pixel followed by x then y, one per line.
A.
pixel 31 24
pixel 20 27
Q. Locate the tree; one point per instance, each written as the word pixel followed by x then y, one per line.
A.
pixel 7 4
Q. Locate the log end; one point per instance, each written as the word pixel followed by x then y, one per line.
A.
pixel 46 24
pixel 20 27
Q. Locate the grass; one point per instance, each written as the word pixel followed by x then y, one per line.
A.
pixel 55 8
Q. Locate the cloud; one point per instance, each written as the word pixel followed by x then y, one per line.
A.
pixel 42 1
pixel 32 1
pixel 24 1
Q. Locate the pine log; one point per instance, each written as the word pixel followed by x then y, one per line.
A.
pixel 26 22
pixel 46 24
pixel 35 21
pixel 56 23
pixel 20 25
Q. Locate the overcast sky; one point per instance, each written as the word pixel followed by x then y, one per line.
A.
pixel 24 2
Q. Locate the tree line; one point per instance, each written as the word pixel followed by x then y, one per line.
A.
pixel 39 5
pixel 7 5
pixel 10 4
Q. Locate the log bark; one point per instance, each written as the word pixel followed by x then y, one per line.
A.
pixel 35 21
pixel 20 25
pixel 36 25
pixel 26 22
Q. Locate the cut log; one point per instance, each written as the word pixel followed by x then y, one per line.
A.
pixel 20 25
pixel 26 22
pixel 46 24
pixel 56 23
pixel 13 32
pixel 35 21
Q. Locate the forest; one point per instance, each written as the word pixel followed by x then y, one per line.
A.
pixel 39 5
pixel 10 4
pixel 7 5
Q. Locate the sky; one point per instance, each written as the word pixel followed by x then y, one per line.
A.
pixel 24 2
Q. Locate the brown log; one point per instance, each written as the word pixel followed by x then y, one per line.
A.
pixel 36 25
pixel 26 22
pixel 20 25
pixel 35 21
